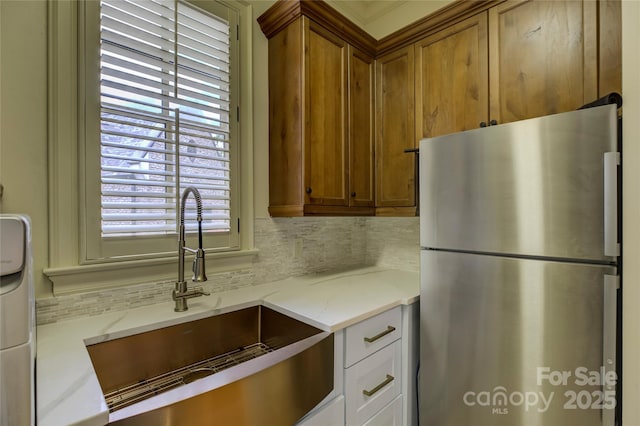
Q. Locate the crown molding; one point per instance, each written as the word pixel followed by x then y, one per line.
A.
pixel 283 12
pixel 432 23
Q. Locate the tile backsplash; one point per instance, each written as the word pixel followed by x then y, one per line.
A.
pixel 288 247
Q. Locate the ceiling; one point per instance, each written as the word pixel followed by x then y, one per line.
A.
pixel 382 17
pixel 367 11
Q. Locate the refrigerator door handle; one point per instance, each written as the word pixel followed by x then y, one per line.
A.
pixel 611 245
pixel 609 378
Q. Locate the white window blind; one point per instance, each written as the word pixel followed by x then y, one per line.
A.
pixel 164 116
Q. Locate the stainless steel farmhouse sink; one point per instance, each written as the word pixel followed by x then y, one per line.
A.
pixel 253 366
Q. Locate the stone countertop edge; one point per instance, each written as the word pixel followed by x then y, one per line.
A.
pixel 68 392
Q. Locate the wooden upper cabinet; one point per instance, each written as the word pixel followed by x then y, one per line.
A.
pixel 543 58
pixel 395 169
pixel 361 128
pixel 336 95
pixel 325 130
pixel 320 112
pixel 517 60
pixel 452 79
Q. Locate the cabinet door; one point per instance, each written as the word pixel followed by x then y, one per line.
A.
pixel 325 130
pixel 361 132
pixel 395 169
pixel 452 79
pixel 542 58
pixel 286 121
pixel 372 383
pixel 391 415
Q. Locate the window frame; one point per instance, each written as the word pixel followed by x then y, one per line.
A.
pixel 74 263
pixel 99 247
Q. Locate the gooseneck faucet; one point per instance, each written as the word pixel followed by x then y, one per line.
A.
pixel 181 293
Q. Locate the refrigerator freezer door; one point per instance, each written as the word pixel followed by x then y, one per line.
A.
pixel 513 342
pixel 534 187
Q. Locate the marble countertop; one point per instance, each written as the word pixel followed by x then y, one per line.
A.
pixel 68 391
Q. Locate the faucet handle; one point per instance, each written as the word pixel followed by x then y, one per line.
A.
pixel 201 292
pixel 189 294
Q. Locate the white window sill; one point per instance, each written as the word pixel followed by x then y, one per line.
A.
pixel 83 278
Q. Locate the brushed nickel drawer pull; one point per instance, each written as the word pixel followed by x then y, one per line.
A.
pixel 389 329
pixel 388 380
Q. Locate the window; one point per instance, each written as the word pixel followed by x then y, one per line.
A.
pixel 167 121
pixel 145 97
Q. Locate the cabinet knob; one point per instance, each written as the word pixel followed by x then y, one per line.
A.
pixel 353 194
pixel 309 190
pixel 483 124
pixel 493 123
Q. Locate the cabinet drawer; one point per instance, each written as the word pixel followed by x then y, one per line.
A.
pixel 391 415
pixel 366 337
pixel 373 383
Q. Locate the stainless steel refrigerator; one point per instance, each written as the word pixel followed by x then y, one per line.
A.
pixel 520 242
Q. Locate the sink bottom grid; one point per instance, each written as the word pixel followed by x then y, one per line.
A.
pixel 131 394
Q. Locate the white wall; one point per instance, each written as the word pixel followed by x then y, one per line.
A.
pixel 631 212
pixel 260 112
pixel 23 121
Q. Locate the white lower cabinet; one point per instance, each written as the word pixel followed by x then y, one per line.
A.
pixel 372 383
pixel 374 373
pixel 391 415
pixel 410 361
pixel 330 414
